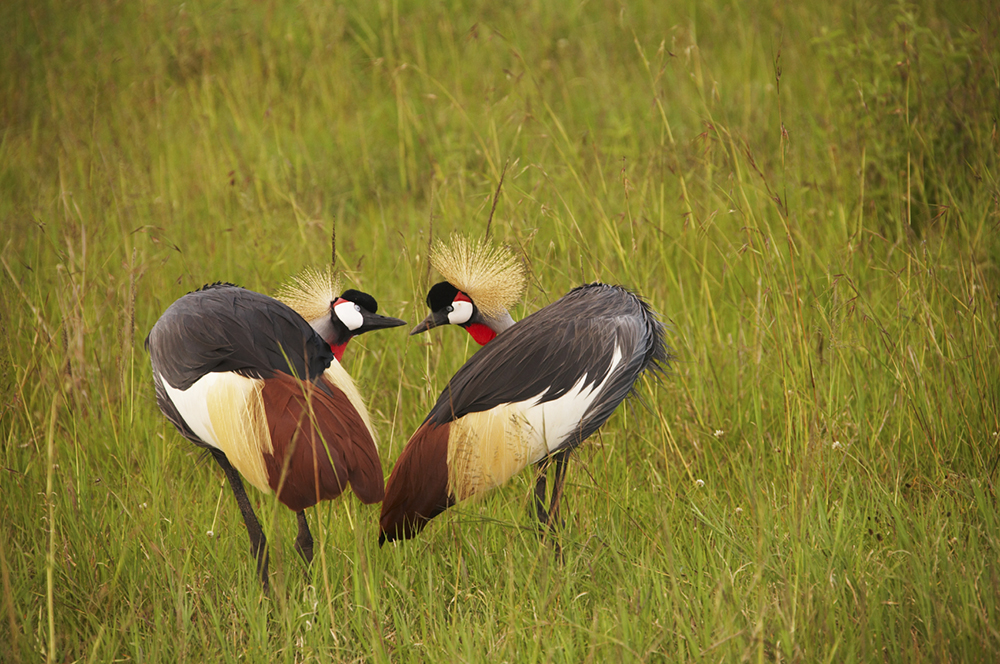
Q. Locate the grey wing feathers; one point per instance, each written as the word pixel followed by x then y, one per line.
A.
pixel 226 328
pixel 551 350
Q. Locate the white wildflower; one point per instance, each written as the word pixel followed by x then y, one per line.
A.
pixel 699 483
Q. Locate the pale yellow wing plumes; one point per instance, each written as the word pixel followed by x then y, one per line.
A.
pixel 491 276
pixel 311 292
pixel 342 380
pixel 236 412
pixel 485 449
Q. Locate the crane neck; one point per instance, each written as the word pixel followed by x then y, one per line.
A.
pixel 490 327
pixel 499 323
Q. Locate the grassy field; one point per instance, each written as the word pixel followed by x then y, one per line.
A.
pixel 808 193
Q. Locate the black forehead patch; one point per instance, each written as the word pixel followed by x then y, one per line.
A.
pixel 441 295
pixel 365 300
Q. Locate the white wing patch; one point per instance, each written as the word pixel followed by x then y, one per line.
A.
pixel 487 448
pixel 225 411
pixel 553 422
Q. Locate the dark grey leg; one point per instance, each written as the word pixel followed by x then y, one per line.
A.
pixel 258 543
pixel 561 459
pixel 304 541
pixel 543 468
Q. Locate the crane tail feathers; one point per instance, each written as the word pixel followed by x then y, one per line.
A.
pixel 320 445
pixel 417 489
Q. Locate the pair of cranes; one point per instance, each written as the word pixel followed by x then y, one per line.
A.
pixel 258 382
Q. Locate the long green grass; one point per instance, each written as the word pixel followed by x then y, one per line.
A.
pixel 807 192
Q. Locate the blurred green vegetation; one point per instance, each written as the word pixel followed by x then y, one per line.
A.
pixel 807 192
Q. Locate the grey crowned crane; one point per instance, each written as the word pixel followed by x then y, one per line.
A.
pixel 536 390
pixel 258 383
pixel 481 284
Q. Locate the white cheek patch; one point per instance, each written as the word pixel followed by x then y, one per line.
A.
pixel 349 315
pixel 461 313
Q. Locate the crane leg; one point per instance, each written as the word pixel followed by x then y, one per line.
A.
pixel 543 469
pixel 258 542
pixel 561 460
pixel 304 541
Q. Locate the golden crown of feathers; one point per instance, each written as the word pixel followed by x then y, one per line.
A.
pixel 311 291
pixel 491 276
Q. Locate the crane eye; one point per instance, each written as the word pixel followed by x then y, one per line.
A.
pixel 449 309
pixel 357 307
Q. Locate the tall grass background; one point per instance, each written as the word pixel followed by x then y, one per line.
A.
pixel 807 193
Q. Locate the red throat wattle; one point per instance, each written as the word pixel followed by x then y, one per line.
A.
pixel 481 333
pixel 338 351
